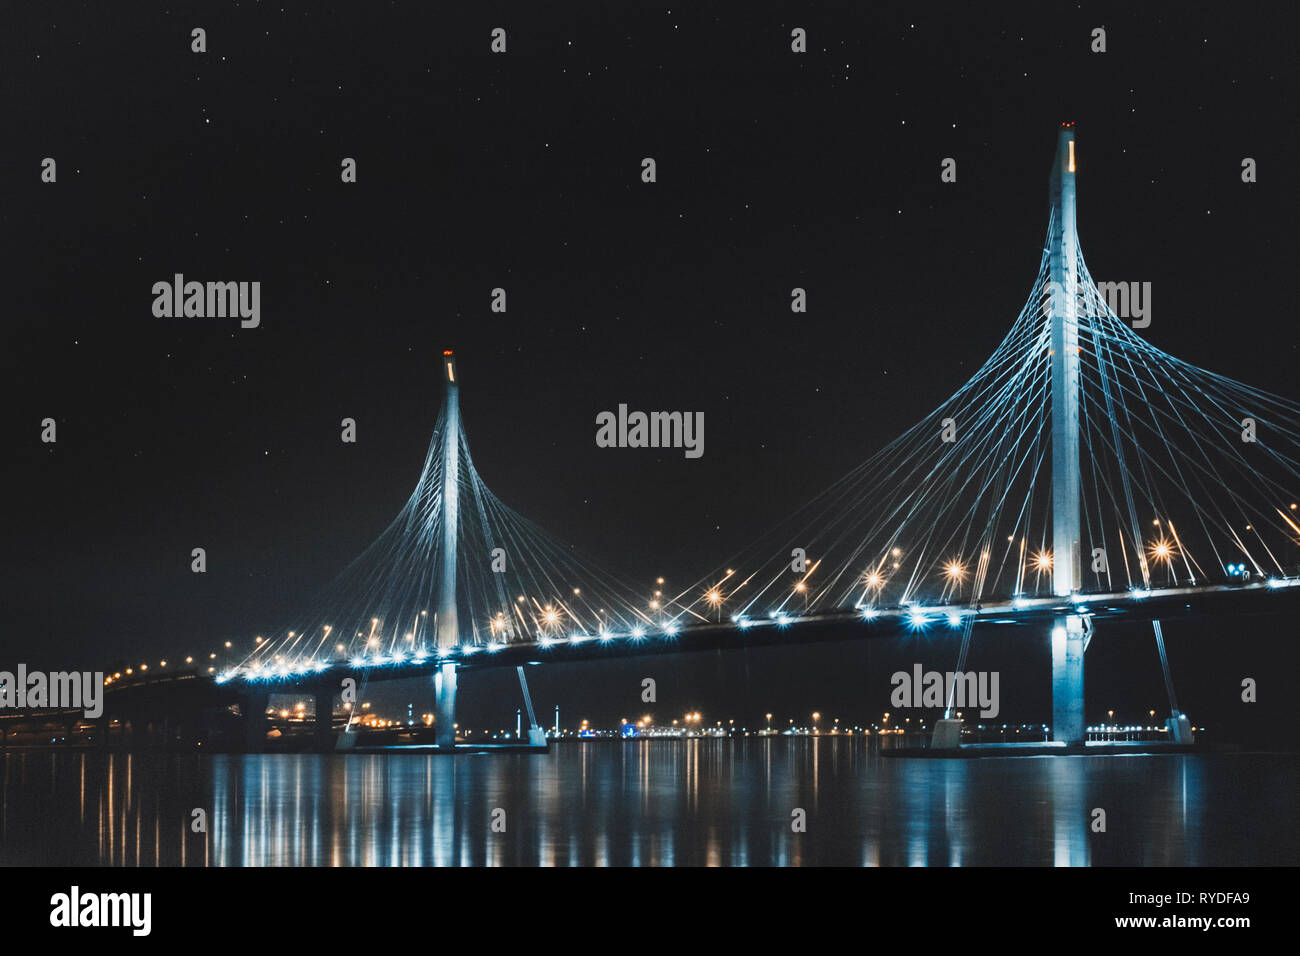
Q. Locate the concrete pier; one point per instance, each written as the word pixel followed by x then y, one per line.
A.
pixel 444 683
pixel 1068 639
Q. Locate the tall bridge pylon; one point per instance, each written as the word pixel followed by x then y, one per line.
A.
pixel 448 635
pixel 1067 639
pixel 449 639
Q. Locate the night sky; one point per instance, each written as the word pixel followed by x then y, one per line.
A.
pixel 522 170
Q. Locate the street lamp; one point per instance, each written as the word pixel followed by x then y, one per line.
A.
pixel 714 597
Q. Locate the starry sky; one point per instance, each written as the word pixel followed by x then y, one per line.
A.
pixel 522 171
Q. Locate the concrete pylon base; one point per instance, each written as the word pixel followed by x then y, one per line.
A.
pixel 536 737
pixel 1179 729
pixel 947 734
pixel 1068 641
pixel 444 684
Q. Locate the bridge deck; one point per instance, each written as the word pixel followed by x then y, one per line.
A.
pixel 1033 614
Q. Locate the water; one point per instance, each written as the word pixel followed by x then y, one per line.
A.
pixel 649 803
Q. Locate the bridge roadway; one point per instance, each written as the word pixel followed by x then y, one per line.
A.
pixel 1035 615
pixel 179 707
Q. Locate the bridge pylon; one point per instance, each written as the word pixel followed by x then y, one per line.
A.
pixel 1067 638
pixel 448 633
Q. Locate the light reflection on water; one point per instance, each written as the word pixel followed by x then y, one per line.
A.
pixel 660 803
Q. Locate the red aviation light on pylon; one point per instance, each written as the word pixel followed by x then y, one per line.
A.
pixel 450 363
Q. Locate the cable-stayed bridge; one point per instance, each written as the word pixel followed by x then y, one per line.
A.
pixel 1080 474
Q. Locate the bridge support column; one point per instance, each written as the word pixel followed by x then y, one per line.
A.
pixel 444 686
pixel 444 681
pixel 1068 640
pixel 255 722
pixel 1179 729
pixel 947 734
pixel 324 720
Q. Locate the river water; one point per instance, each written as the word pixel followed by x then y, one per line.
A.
pixel 728 802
